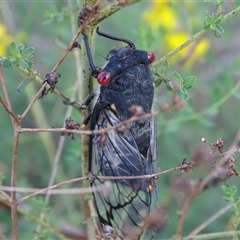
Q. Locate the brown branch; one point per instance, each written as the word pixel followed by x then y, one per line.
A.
pixel 69 48
pixel 93 132
pixel 8 110
pixel 14 212
pixel 6 196
pixel 8 105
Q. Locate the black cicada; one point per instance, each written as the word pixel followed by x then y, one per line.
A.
pixel 126 81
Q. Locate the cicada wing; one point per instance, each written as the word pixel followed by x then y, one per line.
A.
pixel 129 201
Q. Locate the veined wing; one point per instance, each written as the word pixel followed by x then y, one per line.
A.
pixel 130 201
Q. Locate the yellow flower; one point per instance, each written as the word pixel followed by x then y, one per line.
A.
pixel 160 15
pixel 175 39
pixel 5 40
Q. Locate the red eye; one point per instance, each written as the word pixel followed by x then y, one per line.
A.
pixel 104 78
pixel 151 56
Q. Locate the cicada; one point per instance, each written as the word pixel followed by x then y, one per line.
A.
pixel 126 82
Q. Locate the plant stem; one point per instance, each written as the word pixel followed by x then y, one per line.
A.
pixel 85 89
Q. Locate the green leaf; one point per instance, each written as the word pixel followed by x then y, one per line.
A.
pixel 178 77
pixel 169 87
pixel 21 47
pixel 27 53
pixel 30 63
pixel 6 63
pixel 224 188
pixel 227 199
pixel 218 21
pixel 157 82
pixel 15 51
pixel 183 94
pixel 206 27
pixel 23 64
pixel 208 20
pixel 213 26
pixel 189 81
pixel 21 87
pixel 219 29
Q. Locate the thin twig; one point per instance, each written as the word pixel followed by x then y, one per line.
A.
pixel 8 102
pixel 93 132
pixel 37 191
pixel 45 190
pixel 6 196
pixel 52 187
pixel 8 110
pixel 32 102
pixel 69 48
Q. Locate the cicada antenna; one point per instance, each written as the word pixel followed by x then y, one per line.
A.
pixel 94 69
pixel 106 35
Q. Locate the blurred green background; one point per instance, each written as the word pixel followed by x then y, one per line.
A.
pixel 212 110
